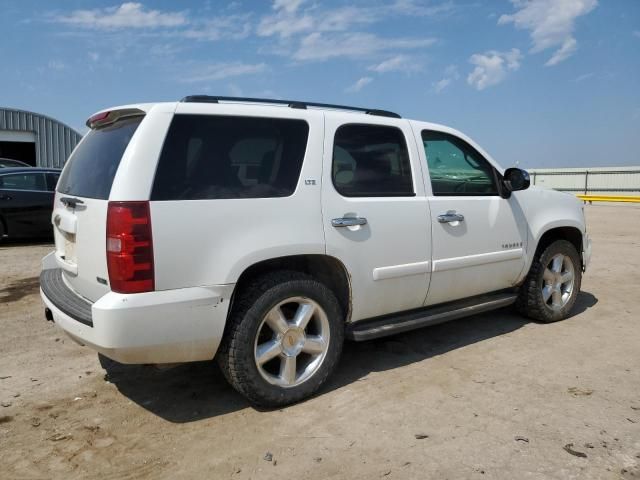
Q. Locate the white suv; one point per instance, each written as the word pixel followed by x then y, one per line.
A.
pixel 264 232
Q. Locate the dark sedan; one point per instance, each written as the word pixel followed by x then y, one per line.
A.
pixel 26 201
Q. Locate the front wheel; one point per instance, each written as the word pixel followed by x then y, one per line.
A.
pixel 552 285
pixel 284 339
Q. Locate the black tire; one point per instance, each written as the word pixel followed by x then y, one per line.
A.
pixel 236 353
pixel 531 302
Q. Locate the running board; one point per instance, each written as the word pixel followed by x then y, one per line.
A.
pixel 410 320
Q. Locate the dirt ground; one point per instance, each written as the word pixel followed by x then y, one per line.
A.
pixel 492 396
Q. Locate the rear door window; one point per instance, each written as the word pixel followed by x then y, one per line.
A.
pixel 23 181
pixel 224 157
pixel 94 163
pixel 371 161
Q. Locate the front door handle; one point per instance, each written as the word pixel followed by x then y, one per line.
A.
pixel 348 221
pixel 450 217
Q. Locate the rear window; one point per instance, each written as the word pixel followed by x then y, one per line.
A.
pixel 223 157
pixel 94 163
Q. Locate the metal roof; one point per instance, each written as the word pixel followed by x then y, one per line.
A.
pixel 54 140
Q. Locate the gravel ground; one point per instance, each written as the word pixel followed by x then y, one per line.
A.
pixel 492 396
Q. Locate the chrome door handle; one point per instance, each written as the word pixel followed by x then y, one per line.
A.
pixel 450 217
pixel 348 221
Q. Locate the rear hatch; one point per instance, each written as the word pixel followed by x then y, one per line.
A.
pixel 82 197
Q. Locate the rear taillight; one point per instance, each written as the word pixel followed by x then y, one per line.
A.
pixel 129 247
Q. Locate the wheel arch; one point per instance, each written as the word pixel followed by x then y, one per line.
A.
pixel 541 235
pixel 327 269
pixel 570 233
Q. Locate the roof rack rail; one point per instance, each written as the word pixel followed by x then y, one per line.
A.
pixel 289 103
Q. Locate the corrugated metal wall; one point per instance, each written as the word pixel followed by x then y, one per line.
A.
pixel 54 140
pixel 594 181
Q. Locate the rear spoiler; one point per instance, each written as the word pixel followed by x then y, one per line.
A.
pixel 102 119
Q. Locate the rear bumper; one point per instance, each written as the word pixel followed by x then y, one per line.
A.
pixel 167 326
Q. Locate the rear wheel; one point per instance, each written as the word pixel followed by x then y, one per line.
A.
pixel 283 340
pixel 552 285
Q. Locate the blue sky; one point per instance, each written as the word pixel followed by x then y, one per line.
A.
pixel 539 82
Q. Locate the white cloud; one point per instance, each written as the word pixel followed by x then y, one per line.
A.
pixel 290 19
pixel 94 56
pixel 359 85
pixel 220 71
pixel 163 50
pixel 289 6
pixel 127 15
pixel 492 67
pixel 233 5
pixel 568 47
pixel 415 8
pixel 403 63
pixel 450 75
pixel 56 65
pixel 551 24
pixel 583 77
pixel 441 84
pixel 234 27
pixel 310 31
pixel 284 25
pixel 344 18
pixel 319 47
pixel 636 33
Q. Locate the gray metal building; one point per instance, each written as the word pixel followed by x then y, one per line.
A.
pixel 35 139
pixel 590 180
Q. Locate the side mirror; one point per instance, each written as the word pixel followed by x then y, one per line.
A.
pixel 515 179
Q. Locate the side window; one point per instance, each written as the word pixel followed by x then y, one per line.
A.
pixel 456 168
pixel 23 181
pixel 371 161
pixel 216 157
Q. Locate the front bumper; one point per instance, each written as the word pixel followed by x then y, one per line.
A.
pixel 168 326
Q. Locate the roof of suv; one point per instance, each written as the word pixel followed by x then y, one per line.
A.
pixel 141 108
pixel 271 105
pixel 290 103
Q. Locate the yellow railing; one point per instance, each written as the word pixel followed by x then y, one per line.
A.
pixel 609 198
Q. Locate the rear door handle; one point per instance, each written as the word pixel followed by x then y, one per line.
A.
pixel 450 217
pixel 71 202
pixel 348 221
pixel 5 197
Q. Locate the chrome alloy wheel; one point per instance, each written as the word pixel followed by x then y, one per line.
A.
pixel 292 342
pixel 558 282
